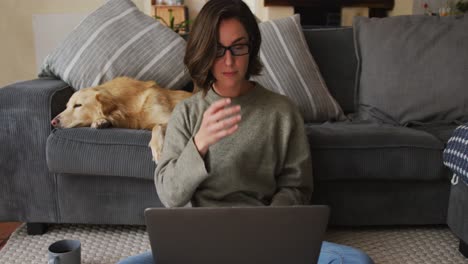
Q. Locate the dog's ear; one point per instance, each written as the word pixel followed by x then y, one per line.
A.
pixel 107 104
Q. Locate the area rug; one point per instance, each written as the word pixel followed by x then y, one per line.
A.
pixel 106 244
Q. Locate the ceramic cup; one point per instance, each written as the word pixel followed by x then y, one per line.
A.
pixel 65 252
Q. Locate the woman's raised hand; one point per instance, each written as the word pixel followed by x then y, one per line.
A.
pixel 219 121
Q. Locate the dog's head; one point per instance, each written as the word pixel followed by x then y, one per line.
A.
pixel 83 108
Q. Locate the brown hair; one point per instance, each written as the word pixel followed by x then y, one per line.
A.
pixel 203 40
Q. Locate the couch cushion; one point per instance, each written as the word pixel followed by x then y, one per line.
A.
pixel 88 151
pixel 441 131
pixel 333 50
pixel 290 69
pixel 119 40
pixel 346 151
pixel 413 68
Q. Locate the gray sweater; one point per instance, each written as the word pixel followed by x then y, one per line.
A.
pixel 266 161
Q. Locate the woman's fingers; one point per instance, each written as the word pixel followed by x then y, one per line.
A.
pixel 224 113
pixel 219 120
pixel 216 106
pixel 225 123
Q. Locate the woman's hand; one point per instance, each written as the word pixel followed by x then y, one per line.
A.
pixel 218 122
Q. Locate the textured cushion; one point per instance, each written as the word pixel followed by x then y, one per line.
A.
pixel 347 151
pixel 111 152
pixel 290 69
pixel 333 50
pixel 118 40
pixel 456 153
pixel 441 131
pixel 413 68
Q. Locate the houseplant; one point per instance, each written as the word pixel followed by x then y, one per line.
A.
pixel 176 27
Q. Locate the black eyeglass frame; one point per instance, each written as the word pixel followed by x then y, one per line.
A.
pixel 230 48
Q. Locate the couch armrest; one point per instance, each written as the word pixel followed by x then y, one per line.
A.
pixel 27 189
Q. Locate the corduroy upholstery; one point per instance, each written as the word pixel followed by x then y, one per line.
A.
pixel 344 151
pixel 114 152
pixel 27 188
pixel 369 174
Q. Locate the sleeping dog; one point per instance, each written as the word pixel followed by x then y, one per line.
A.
pixel 126 103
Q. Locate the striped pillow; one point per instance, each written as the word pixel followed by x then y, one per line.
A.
pixel 290 69
pixel 456 153
pixel 118 40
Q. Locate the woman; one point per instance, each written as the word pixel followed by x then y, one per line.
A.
pixel 235 143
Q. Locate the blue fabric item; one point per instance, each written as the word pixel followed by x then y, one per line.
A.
pixel 456 153
pixel 144 258
pixel 330 253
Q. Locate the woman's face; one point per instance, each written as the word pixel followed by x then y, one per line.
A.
pixel 227 69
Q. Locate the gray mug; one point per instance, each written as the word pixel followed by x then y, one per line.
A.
pixel 65 252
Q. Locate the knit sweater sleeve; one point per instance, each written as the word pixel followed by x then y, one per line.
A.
pixel 181 168
pixel 294 183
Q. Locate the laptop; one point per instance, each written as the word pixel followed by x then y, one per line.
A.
pixel 237 235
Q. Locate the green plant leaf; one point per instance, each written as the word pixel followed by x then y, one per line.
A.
pixel 176 27
pixel 162 19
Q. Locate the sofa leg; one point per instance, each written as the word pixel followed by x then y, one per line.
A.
pixel 37 228
pixel 463 248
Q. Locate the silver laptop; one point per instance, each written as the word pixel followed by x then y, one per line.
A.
pixel 237 235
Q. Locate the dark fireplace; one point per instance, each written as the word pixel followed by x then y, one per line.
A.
pixel 327 13
pixel 323 16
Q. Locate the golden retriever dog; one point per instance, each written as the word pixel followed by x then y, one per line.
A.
pixel 125 103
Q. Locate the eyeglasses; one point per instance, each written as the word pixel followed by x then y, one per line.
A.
pixel 236 50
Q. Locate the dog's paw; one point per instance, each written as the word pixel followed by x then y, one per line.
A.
pixel 156 142
pixel 100 123
pixel 156 154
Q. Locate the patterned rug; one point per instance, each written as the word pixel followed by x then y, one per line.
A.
pixel 106 244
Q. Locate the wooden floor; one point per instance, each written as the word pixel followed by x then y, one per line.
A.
pixel 6 228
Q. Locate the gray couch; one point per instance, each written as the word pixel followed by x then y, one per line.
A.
pixel 369 173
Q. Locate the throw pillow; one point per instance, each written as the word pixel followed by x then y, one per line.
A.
pixel 290 69
pixel 412 69
pixel 119 40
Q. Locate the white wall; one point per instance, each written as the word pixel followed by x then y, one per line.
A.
pixel 194 7
pixel 50 29
pixel 434 5
pixel 29 28
pixel 415 7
